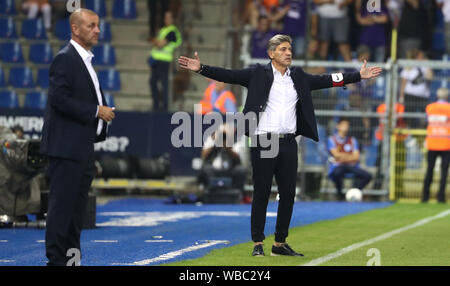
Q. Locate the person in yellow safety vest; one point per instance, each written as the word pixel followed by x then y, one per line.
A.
pixel 161 55
pixel 438 143
pixel 217 98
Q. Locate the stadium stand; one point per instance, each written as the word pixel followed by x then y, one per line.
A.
pixel 41 53
pixel 124 9
pixel 9 99
pixel 109 79
pixel 21 77
pixel 2 78
pixel 8 28
pixel 11 52
pixel 62 30
pixel 42 79
pixel 35 100
pixel 105 55
pixel 7 7
pixel 33 29
pixel 98 6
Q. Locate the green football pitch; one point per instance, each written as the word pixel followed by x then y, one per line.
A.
pixel 403 234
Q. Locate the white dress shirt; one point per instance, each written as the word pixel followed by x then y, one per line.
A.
pixel 279 115
pixel 87 59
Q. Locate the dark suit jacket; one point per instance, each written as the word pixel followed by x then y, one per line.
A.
pixel 258 80
pixel 70 125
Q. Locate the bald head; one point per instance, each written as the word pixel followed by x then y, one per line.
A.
pixel 84 24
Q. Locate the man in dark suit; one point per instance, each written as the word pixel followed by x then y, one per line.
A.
pixel 76 117
pixel 283 97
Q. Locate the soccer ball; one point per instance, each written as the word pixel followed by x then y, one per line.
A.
pixel 353 195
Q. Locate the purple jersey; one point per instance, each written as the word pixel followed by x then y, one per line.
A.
pixel 295 20
pixel 373 35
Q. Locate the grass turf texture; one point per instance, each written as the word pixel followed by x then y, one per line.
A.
pixel 422 246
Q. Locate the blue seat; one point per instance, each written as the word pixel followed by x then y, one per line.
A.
pixel 62 29
pixel 2 78
pixel 11 53
pixel 9 99
pixel 109 80
pixel 434 86
pixel 104 55
pixel 379 88
pixel 8 7
pixel 43 79
pixel 371 154
pixel 8 28
pixel 109 99
pixel 105 31
pixel 41 53
pixel 124 9
pixel 98 6
pixel 21 77
pixel 35 100
pixel 33 29
pixel 315 152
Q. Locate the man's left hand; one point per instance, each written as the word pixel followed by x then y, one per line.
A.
pixel 369 72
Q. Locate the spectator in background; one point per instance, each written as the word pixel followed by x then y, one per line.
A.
pixel 269 8
pixel 33 7
pixel 260 38
pixel 59 9
pixel 411 29
pixel 156 9
pixel 344 159
pixel 399 146
pixel 161 56
pixel 438 143
pixel 18 130
pixel 294 24
pixel 217 99
pixel 220 158
pixel 444 5
pixel 414 88
pixel 373 29
pixel 334 24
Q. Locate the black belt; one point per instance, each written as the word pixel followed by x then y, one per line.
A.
pixel 281 136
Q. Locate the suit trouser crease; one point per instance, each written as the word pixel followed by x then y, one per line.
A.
pixel 284 167
pixel 69 185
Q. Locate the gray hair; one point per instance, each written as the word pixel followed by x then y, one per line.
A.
pixel 276 40
pixel 442 93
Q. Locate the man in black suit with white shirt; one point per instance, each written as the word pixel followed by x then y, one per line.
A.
pixel 76 117
pixel 283 97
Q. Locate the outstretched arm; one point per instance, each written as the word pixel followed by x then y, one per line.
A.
pixel 241 77
pixel 340 79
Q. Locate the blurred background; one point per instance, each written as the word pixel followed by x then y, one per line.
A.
pixel 410 39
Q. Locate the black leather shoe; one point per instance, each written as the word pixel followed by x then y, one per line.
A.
pixel 258 250
pixel 285 249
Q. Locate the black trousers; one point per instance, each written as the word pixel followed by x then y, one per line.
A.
pixel 362 177
pixel 69 185
pixel 164 6
pixel 431 158
pixel 160 73
pixel 284 167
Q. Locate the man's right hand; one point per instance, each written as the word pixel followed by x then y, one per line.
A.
pixel 105 113
pixel 189 63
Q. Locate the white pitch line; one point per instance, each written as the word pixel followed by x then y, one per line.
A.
pixel 40 241
pixel 105 241
pixel 355 246
pixel 175 253
pixel 159 240
pixel 6 261
pixel 3 241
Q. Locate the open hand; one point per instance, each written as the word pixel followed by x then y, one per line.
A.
pixel 370 72
pixel 189 63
